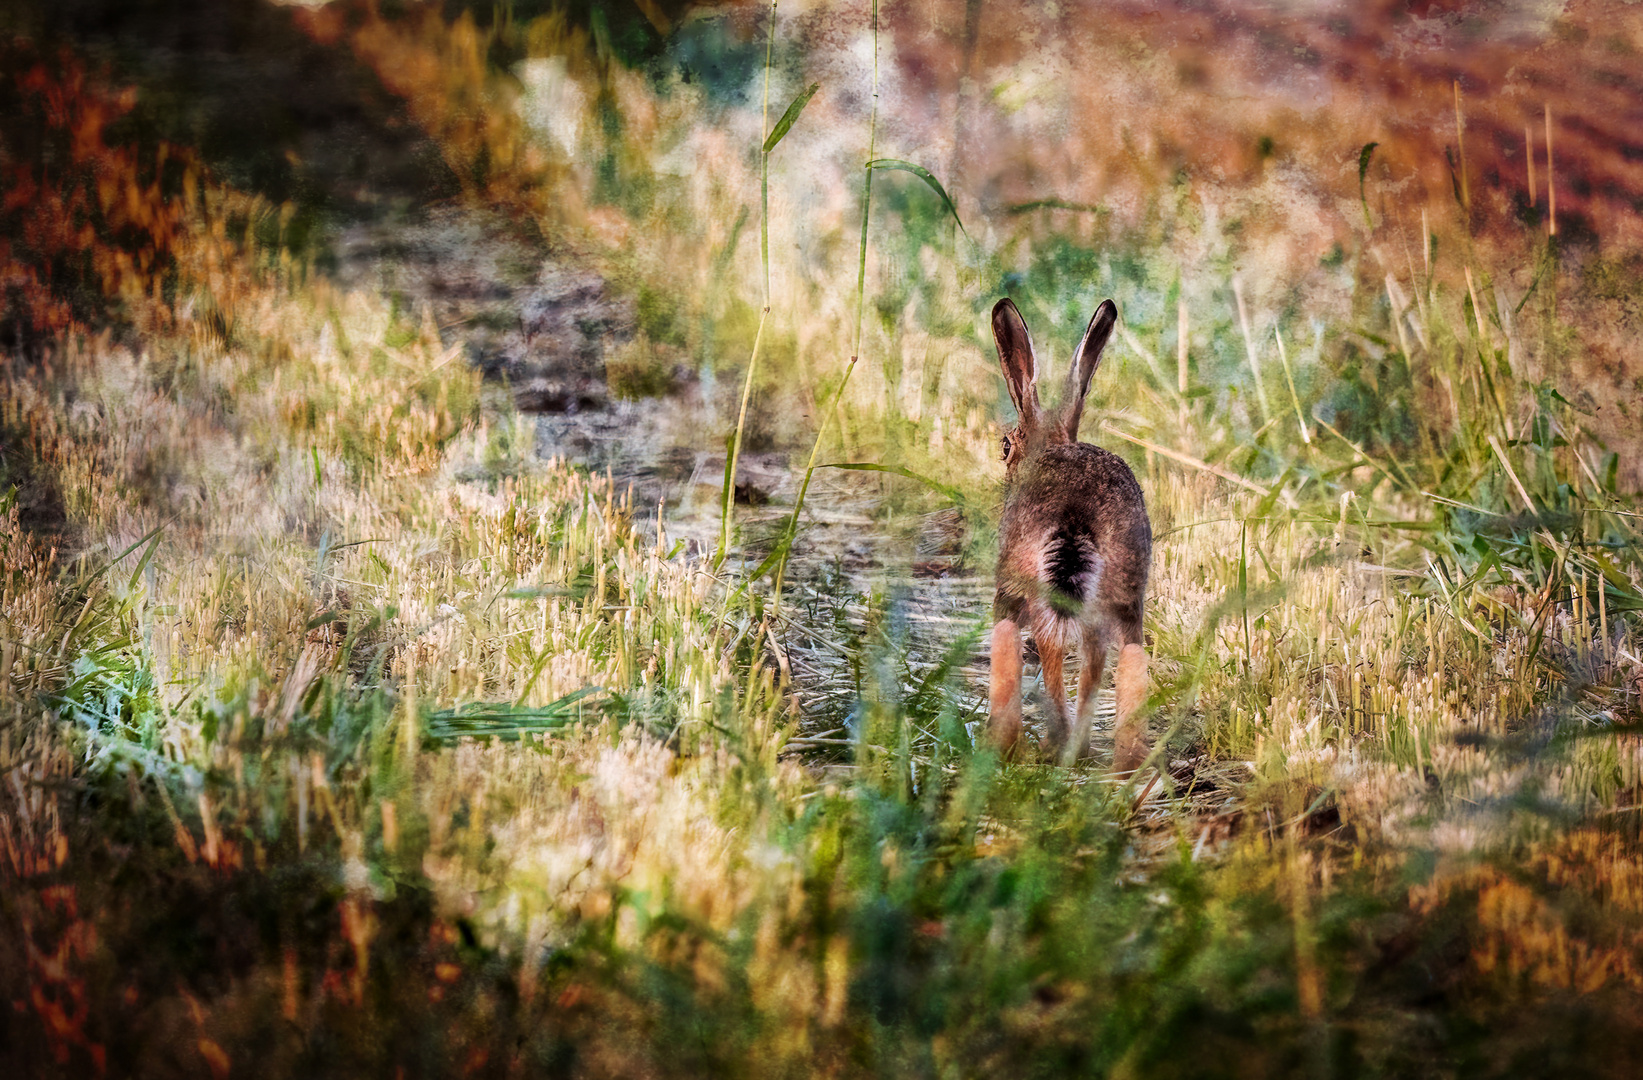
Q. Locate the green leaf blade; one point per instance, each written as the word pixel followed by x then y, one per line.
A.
pixel 501 720
pixel 790 117
pixel 897 165
pixel 1364 155
pixel 952 493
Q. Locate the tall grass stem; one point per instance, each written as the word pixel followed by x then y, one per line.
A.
pixel 1529 159
pixel 1181 346
pixel 1289 377
pixel 1249 348
pixel 734 451
pixel 1511 473
pixel 1426 247
pixel 1551 181
pixel 1460 151
pixel 1393 301
pixel 791 531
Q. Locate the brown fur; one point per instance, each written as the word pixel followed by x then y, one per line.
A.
pixel 1074 549
pixel 1006 683
pixel 1129 740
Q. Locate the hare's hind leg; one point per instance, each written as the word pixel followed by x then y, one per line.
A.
pixel 1129 740
pixel 1004 722
pixel 1089 684
pixel 1130 682
pixel 1052 658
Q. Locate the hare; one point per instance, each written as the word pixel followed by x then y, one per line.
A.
pixel 1074 547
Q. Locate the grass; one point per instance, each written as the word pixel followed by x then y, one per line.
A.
pixel 342 734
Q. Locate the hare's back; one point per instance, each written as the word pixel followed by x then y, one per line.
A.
pixel 1083 487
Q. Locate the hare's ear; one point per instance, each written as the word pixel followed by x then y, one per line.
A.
pixel 1015 356
pixel 1086 358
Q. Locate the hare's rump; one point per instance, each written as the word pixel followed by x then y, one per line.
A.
pixel 1074 545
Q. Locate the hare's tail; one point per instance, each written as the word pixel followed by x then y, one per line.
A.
pixel 1068 579
pixel 1072 570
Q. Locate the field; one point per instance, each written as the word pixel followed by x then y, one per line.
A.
pixel 500 505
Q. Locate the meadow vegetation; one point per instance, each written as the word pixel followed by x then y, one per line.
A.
pixel 343 733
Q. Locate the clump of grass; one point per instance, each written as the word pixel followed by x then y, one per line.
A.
pixel 641 369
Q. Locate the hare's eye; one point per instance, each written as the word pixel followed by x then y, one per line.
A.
pixel 1005 456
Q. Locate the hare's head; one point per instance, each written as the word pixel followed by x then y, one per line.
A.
pixel 1037 427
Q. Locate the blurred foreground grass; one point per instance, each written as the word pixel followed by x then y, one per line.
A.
pixel 342 734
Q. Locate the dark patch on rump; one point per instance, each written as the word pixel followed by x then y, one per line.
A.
pixel 1067 571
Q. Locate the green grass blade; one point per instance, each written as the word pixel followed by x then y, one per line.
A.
pixel 924 174
pixel 952 493
pixel 146 538
pixel 727 489
pixel 777 556
pixel 790 117
pixel 148 556
pixel 733 445
pixel 1364 155
pixel 1054 203
pixel 501 720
